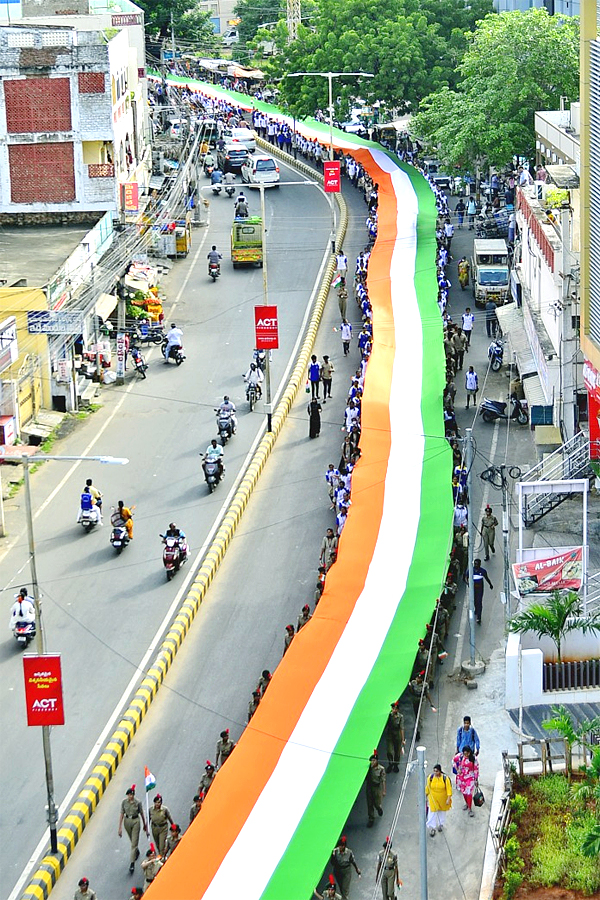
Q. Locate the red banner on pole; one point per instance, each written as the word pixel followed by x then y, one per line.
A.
pixel 331 172
pixel 266 326
pixel 553 573
pixel 43 689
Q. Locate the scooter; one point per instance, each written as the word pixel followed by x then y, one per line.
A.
pixel 175 353
pixel 209 169
pixel 148 334
pixel 224 425
pixel 89 518
pixel 119 538
pixel 138 361
pixel 175 554
pixel 490 410
pixel 216 188
pixel 252 395
pixel 24 633
pixel 230 190
pixel 214 270
pixel 212 474
pixel 496 354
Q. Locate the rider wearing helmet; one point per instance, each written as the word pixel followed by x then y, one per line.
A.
pixel 228 408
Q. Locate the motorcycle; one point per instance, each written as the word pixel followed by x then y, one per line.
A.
pixel 209 169
pixel 175 554
pixel 252 395
pixel 138 361
pixel 148 334
pixel 119 537
pixel 214 270
pixel 212 474
pixel 24 632
pixel 175 352
pixel 496 354
pixel 224 425
pixel 490 410
pixel 230 190
pixel 89 518
pixel 216 188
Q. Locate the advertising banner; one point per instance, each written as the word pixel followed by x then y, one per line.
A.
pixel 121 353
pixel 331 172
pixel 43 689
pixel 9 351
pixel 129 196
pixel 562 573
pixel 266 326
pixel 592 383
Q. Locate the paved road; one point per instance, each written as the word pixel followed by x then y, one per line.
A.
pixel 102 611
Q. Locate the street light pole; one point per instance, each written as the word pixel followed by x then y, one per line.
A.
pixel 39 632
pixel 265 303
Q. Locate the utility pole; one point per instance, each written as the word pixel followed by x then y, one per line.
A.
pixel 172 42
pixel 505 544
pixel 121 315
pixel 567 344
pixel 268 408
pixel 422 806
pixel 471 532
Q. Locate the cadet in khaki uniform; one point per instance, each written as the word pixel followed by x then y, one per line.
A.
pixel 160 819
pixel 197 806
pixel 394 732
pixel 254 704
pixel 342 860
pixel 375 788
pixel 418 689
pixel 173 839
pixel 263 682
pixel 207 779
pixel 289 637
pixel 225 748
pixel 151 866
pixel 488 531
pixel 304 617
pixel 329 893
pixel 131 812
pixel 85 892
pixel 387 866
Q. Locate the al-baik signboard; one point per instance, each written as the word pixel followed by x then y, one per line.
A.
pixel 561 572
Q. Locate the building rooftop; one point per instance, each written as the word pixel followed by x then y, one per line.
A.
pixel 36 253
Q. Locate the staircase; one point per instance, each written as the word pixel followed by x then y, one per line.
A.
pixel 570 461
pixel 593 595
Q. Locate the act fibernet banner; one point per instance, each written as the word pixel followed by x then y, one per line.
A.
pixel 279 805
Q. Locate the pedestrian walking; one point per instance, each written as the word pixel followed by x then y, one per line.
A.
pixel 342 298
pixel 173 840
pixel 479 576
pixel 254 703
pixel 387 867
pixel 491 320
pixel 342 860
pixel 466 736
pixel 448 234
pixel 460 210
pixel 264 682
pixel 151 866
pixel 314 376
pixel 196 806
pixel 327 371
pixel 471 212
pixel 207 780
pixel 419 691
pixel 463 272
pixel 459 342
pixel 438 789
pixel 466 768
pixel 461 514
pixel 304 617
pixel 488 531
pixel 225 748
pixel 394 732
pixel 471 385
pixel 160 819
pixel 375 781
pixel 289 637
pixel 85 892
pixel 341 264
pixel 329 547
pixel 346 332
pixel 314 418
pixel 468 321
pixel 131 813
pixel 320 586
pixel 330 892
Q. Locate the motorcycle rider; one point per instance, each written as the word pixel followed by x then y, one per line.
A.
pixel 174 339
pixel 254 376
pixel 241 207
pixel 123 515
pixel 229 179
pixel 216 177
pixel 228 407
pixel 22 610
pixel 214 453
pixel 174 532
pixel 95 494
pixel 213 256
pixel 209 161
pixel 88 504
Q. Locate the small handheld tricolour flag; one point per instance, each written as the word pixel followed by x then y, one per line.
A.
pixel 149 779
pixel 337 280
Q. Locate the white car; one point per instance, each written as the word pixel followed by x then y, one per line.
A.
pixel 261 170
pixel 245 135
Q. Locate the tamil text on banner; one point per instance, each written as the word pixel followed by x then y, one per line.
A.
pixel 266 325
pixel 563 572
pixel 129 196
pixel 331 174
pixel 43 689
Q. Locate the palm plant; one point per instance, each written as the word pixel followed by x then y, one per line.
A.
pixel 560 614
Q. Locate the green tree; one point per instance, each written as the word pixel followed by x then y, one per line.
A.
pixel 253 15
pixel 515 63
pixel 559 615
pixel 189 23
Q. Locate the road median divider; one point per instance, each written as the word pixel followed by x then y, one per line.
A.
pixel 52 865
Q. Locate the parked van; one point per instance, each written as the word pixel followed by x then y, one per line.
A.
pixel 231 37
pixel 490 272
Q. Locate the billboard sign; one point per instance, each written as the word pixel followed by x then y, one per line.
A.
pixel 563 572
pixel 9 350
pixel 332 180
pixel 266 326
pixel 43 689
pixel 50 321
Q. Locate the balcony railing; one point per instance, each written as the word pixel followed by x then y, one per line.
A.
pixel 101 170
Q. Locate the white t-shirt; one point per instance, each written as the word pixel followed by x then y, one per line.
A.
pixel 21 611
pixel 468 320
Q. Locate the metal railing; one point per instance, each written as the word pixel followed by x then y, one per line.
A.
pixel 569 461
pixel 571 675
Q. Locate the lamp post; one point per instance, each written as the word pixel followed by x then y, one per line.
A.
pixel 330 76
pixel 39 635
pixel 268 409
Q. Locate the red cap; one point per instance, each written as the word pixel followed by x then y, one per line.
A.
pixel 289 627
pixel 332 881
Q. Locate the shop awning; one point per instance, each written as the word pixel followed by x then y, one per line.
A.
pixel 511 322
pixel 105 305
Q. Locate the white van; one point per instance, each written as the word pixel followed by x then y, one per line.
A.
pixel 261 170
pixel 231 37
